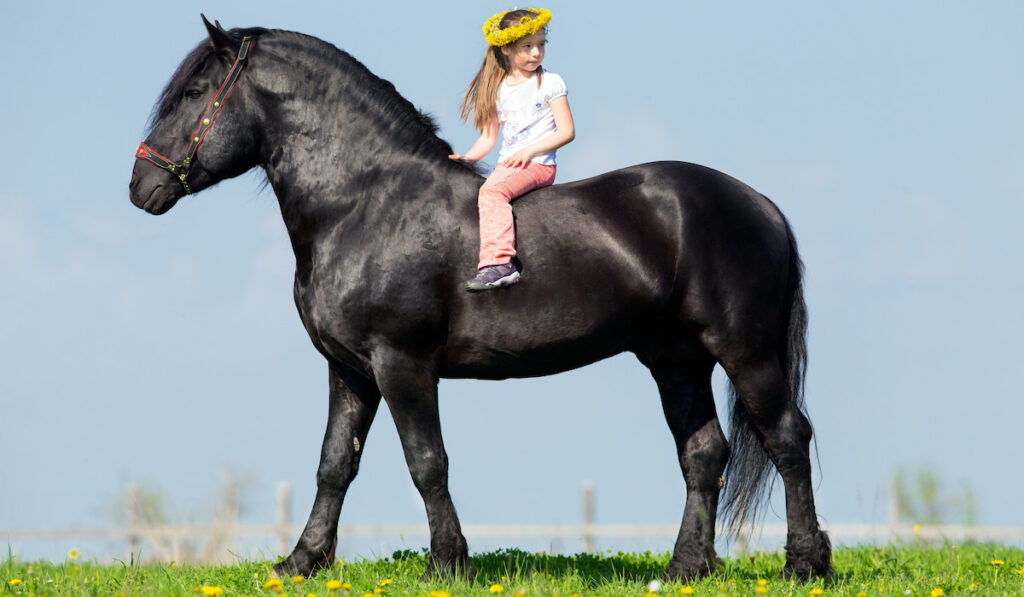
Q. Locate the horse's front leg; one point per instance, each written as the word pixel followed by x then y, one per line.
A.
pixel 410 390
pixel 354 403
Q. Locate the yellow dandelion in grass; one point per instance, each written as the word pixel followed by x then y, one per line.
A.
pixel 73 554
pixel 497 589
pixel 211 591
pixel 997 563
pixel 686 590
pixel 762 590
pixel 762 582
pixel 1019 571
pixel 520 594
pixel 120 594
pixel 273 584
pixel 14 582
pixel 378 591
pixel 385 582
pixel 440 594
pixel 862 594
pixel 817 591
pixel 346 585
pixel 298 579
pixel 310 594
pixel 368 595
pixel 936 592
pixel 333 585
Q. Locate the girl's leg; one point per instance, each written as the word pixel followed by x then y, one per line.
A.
pixel 497 235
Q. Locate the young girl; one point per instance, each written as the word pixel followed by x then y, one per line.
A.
pixel 512 91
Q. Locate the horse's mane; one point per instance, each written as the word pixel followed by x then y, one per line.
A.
pixel 414 129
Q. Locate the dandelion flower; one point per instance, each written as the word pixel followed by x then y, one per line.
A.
pixel 212 591
pixel 378 591
pixel 1020 571
pixel 333 585
pixel 73 554
pixel 762 582
pixel 761 590
pixel 346 585
pixel 862 594
pixel 997 563
pixel 440 594
pixel 936 592
pixel 686 590
pixel 273 584
pixel 14 582
pixel 654 585
pixel 497 588
pixel 310 594
pixel 298 579
pixel 817 591
pixel 385 582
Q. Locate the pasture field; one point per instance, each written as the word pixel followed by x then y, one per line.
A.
pixel 978 569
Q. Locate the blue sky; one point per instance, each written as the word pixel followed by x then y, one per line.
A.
pixel 167 349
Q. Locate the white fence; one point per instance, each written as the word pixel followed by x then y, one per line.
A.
pixel 209 542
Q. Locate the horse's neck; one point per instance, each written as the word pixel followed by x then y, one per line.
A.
pixel 331 153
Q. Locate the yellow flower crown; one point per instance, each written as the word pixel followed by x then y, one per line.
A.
pixel 527 26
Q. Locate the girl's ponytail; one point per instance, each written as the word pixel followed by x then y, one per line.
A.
pixel 482 95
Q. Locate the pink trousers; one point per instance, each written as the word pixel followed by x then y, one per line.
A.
pixel 497 235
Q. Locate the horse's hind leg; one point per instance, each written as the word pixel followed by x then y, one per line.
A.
pixel 353 404
pixel 786 435
pixel 684 382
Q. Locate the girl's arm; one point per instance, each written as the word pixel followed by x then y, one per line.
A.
pixel 566 132
pixel 483 145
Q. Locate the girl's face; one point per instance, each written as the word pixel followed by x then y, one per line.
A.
pixel 526 55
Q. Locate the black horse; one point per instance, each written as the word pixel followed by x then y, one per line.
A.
pixel 677 263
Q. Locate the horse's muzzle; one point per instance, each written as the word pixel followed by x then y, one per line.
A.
pixel 153 191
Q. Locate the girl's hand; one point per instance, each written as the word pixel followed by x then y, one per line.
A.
pixel 455 156
pixel 518 159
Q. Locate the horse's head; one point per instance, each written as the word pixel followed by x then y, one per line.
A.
pixel 199 136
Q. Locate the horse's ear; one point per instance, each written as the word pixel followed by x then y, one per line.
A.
pixel 219 39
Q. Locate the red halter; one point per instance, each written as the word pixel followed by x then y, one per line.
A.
pixel 181 169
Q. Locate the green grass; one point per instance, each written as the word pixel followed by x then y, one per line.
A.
pixel 892 570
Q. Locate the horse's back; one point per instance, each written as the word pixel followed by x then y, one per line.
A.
pixel 608 261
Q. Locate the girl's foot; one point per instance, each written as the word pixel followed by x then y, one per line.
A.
pixel 493 276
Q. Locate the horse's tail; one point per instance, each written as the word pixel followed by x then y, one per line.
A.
pixel 749 477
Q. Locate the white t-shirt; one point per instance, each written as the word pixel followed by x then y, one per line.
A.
pixel 525 114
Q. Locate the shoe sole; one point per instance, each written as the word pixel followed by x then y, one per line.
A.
pixel 499 283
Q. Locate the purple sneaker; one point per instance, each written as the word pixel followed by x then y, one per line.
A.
pixel 493 276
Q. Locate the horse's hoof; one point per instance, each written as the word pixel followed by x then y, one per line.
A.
pixel 300 563
pixel 460 569
pixel 686 572
pixel 808 556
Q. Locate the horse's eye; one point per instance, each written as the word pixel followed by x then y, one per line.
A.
pixel 193 93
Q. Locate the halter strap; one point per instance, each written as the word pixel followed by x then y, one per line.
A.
pixel 181 169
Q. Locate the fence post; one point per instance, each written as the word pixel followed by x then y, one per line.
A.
pixel 588 517
pixel 284 498
pixel 131 502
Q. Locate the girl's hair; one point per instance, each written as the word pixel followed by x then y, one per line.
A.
pixel 482 95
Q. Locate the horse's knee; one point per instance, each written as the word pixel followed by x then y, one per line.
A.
pixel 337 472
pixel 429 470
pixel 704 457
